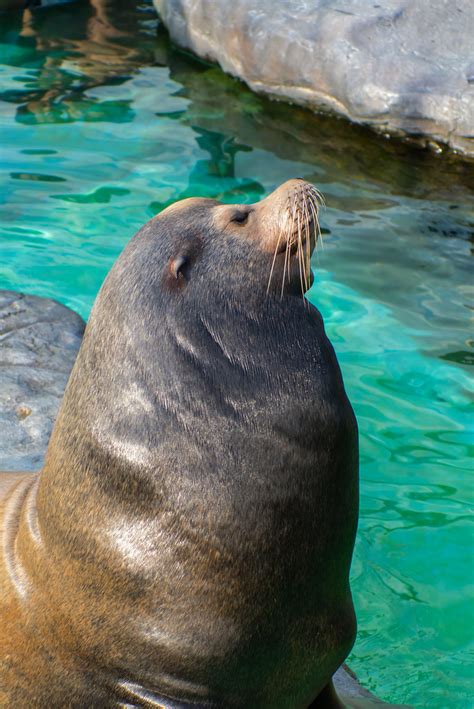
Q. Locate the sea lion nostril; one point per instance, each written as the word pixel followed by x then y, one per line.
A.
pixel 240 217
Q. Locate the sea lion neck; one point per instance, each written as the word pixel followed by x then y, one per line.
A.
pixel 178 367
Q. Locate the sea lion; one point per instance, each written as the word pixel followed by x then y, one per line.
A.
pixel 189 539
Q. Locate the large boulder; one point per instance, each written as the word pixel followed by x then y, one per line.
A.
pixel 405 67
pixel 39 340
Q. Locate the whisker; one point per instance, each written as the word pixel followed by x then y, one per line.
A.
pixel 274 258
pixel 302 272
pixel 287 249
pixel 307 216
pixel 315 213
pixel 317 199
pixel 308 240
pixel 299 238
pixel 317 195
pixel 303 265
pixel 295 219
pixel 302 215
pixel 284 271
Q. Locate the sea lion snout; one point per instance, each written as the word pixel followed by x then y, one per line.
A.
pixel 276 220
pixel 284 226
pixel 292 232
pixel 295 205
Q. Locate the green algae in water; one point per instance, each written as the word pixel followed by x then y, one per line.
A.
pixel 104 124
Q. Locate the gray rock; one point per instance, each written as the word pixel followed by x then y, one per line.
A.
pixel 405 67
pixel 39 340
pixel 353 694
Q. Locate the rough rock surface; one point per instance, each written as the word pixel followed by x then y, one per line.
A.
pixel 39 340
pixel 405 67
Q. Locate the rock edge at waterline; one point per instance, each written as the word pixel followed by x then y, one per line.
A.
pixel 405 68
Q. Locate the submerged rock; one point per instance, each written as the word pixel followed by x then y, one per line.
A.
pixel 39 340
pixel 404 67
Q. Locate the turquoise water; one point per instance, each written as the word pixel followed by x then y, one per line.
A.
pixel 103 123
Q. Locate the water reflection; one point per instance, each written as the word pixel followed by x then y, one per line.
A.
pixel 215 176
pixel 73 48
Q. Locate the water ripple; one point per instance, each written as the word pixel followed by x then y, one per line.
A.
pixel 104 124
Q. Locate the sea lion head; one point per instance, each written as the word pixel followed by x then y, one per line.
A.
pixel 240 249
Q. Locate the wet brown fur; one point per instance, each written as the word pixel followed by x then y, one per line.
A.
pixel 188 541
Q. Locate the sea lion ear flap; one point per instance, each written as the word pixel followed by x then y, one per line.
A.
pixel 177 266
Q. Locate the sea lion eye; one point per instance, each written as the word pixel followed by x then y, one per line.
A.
pixel 240 217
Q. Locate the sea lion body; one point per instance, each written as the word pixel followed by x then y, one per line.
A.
pixel 190 536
